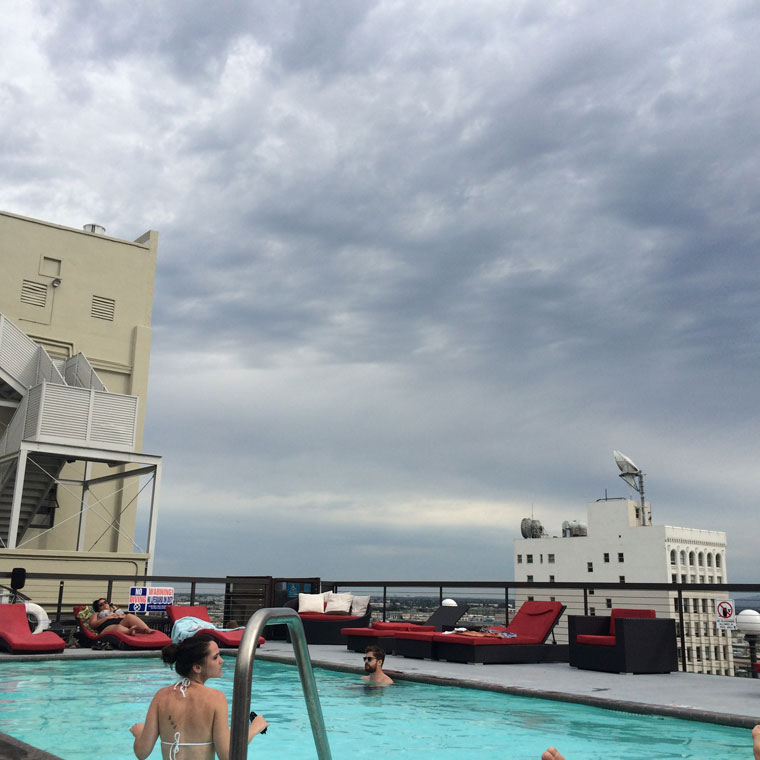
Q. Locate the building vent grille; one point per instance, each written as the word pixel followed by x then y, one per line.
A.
pixel 34 293
pixel 103 308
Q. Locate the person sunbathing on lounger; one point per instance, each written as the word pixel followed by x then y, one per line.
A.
pixel 374 657
pixel 128 623
pixel 189 718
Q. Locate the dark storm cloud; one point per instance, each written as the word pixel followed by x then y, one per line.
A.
pixel 418 256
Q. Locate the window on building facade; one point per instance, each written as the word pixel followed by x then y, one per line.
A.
pixel 674 578
pixel 606 557
pixel 551 579
pixel 550 559
pixel 685 605
pixel 622 579
pixel 590 567
pixel 701 559
pixel 530 599
pixel 691 558
pixel 699 654
pixel 592 610
pixel 683 578
pixel 704 606
pixel 688 654
pixel 672 556
pixel 519 559
pixel 716 651
pixel 683 557
pixel 709 559
pixel 609 603
pixel 701 578
pixel 529 559
pixel 692 578
pixel 621 557
pixel 718 560
pixel 591 591
pixel 541 558
pixel 719 579
pixel 530 579
pixel 552 598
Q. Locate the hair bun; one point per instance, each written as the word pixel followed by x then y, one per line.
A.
pixel 169 654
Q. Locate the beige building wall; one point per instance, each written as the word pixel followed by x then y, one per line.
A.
pixel 76 291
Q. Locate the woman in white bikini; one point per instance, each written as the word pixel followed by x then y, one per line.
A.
pixel 189 718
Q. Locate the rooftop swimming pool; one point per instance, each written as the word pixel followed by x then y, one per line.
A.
pixel 82 709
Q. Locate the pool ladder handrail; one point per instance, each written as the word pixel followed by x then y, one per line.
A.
pixel 241 691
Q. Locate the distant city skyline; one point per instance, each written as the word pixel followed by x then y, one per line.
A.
pixel 421 267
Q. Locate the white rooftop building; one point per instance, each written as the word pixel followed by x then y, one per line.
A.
pixel 619 544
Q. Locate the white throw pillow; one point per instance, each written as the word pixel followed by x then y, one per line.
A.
pixel 359 605
pixel 338 604
pixel 311 602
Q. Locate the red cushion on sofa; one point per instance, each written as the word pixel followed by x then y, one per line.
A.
pixel 603 641
pixel 327 618
pixel 619 612
pixel 401 626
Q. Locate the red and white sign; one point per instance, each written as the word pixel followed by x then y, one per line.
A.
pixel 725 613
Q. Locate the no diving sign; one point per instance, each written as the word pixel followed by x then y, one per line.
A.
pixel 725 612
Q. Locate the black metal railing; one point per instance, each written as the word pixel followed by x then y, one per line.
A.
pixel 233 599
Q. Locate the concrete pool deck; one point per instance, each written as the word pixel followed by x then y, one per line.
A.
pixel 712 699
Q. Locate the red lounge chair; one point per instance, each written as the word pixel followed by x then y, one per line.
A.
pixel 16 637
pixel 379 634
pixel 117 639
pixel 532 625
pixel 628 641
pixel 382 633
pixel 225 639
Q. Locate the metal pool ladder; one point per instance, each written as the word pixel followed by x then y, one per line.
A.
pixel 241 691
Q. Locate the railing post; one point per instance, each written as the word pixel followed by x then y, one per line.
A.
pixel 440 596
pixel 683 632
pixel 585 601
pixel 506 605
pixel 192 593
pixel 385 601
pixel 60 603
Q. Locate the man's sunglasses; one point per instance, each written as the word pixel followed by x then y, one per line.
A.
pixel 367 659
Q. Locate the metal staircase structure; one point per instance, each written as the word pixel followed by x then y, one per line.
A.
pixel 54 413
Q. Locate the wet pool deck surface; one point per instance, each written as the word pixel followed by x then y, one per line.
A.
pixel 713 699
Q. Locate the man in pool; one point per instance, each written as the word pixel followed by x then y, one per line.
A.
pixel 374 657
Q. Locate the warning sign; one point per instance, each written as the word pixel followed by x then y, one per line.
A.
pixel 150 598
pixel 725 612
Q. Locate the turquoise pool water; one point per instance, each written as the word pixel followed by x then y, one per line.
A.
pixel 84 709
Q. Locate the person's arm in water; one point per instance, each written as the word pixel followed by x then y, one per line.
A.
pixel 222 728
pixel 146 734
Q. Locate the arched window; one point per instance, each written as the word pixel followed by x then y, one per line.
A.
pixel 683 557
pixel 718 560
pixel 691 558
pixel 701 559
pixel 709 559
pixel 672 556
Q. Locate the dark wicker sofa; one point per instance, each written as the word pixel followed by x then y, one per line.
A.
pixel 629 641
pixel 325 629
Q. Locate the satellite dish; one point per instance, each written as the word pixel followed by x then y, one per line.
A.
pixel 625 465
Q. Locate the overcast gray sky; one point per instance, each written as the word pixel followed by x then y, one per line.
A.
pixel 422 266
